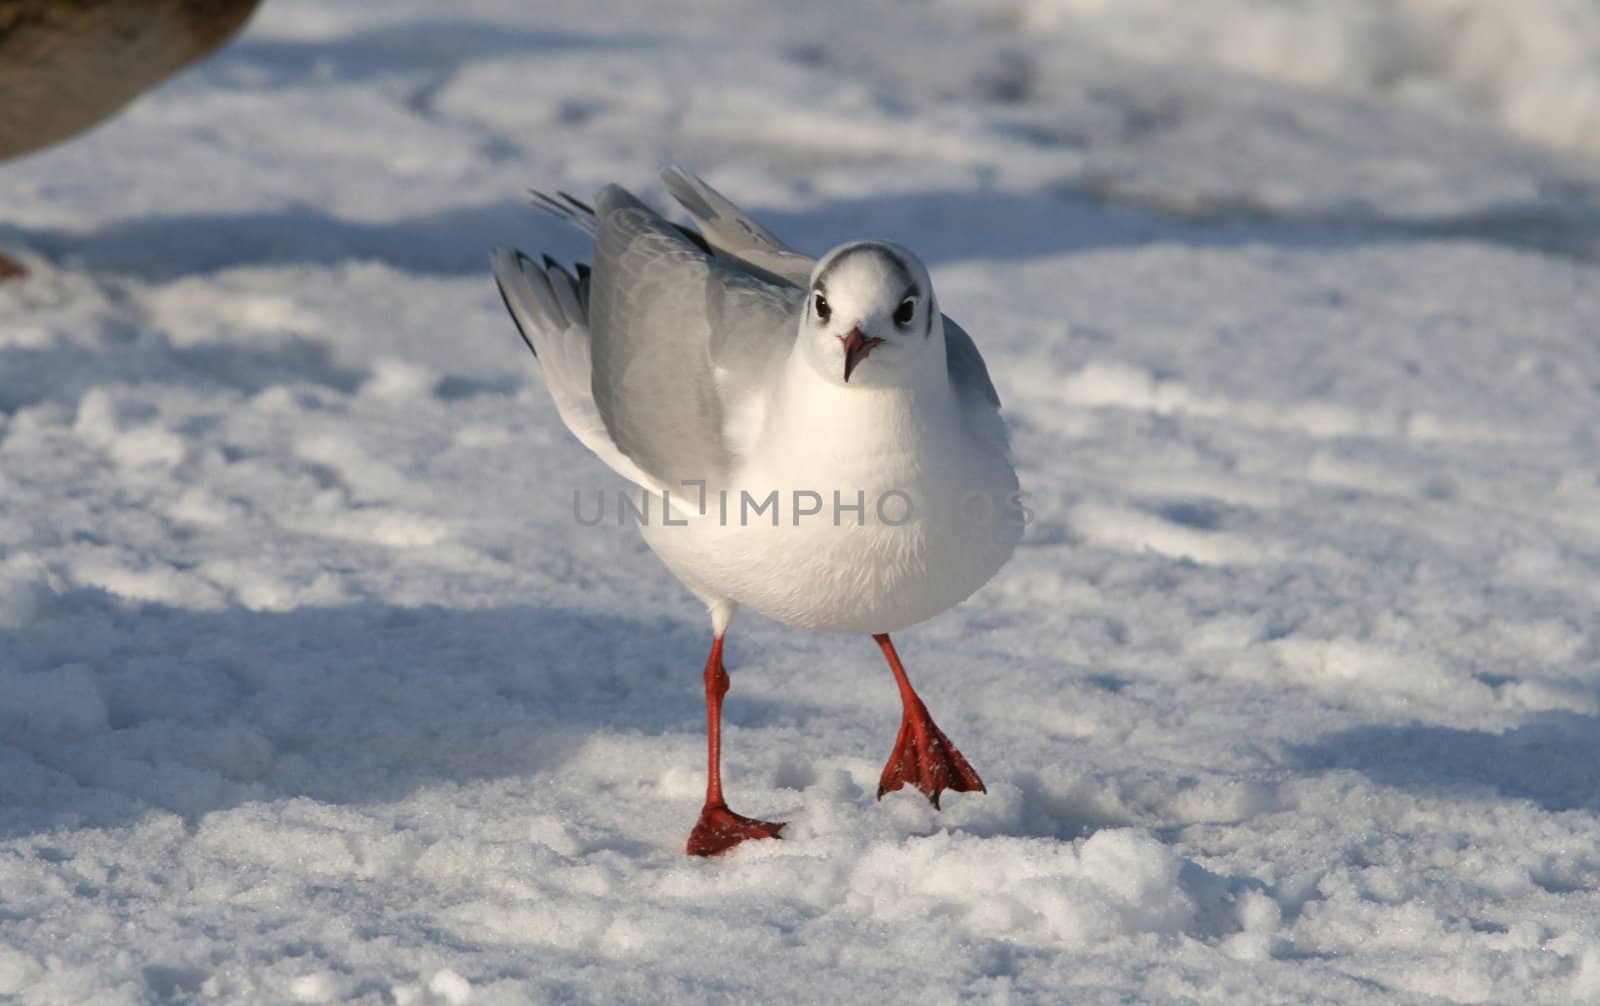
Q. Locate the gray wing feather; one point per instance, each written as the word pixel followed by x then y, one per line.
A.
pixel 538 286
pixel 731 231
pixel 676 338
pixel 561 343
pixel 968 373
pixel 518 299
pixel 565 288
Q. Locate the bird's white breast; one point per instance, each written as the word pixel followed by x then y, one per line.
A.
pixel 936 515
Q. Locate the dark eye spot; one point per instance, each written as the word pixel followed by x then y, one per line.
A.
pixel 904 313
pixel 821 307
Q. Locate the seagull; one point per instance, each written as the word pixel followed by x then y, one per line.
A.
pixel 822 445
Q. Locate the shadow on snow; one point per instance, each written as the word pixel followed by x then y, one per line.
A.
pixel 110 708
pixel 942 227
pixel 1549 760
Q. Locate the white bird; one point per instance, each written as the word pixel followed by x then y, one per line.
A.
pixel 820 443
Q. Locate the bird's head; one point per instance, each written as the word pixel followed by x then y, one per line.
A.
pixel 870 318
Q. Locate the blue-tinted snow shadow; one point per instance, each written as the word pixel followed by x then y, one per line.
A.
pixel 1567 227
pixel 431 44
pixel 1553 759
pixel 946 226
pixel 110 708
pixel 942 226
pixel 63 371
pixel 451 242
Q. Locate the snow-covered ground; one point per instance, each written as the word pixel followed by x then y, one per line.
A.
pixel 312 689
pixel 1532 66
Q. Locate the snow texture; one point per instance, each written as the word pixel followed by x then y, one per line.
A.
pixel 313 690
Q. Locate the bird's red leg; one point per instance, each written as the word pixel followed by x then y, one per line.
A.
pixel 923 756
pixel 10 268
pixel 719 828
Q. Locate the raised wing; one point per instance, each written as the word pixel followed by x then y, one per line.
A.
pixel 549 307
pixel 731 231
pixel 679 341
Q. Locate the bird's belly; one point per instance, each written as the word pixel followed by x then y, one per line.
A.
pixel 874 555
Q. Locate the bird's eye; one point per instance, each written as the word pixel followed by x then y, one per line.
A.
pixel 822 308
pixel 904 313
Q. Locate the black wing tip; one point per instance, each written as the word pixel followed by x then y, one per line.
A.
pixel 560 210
pixel 552 267
pixel 575 201
pixel 506 300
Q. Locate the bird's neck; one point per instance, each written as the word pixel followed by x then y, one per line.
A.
pixel 813 415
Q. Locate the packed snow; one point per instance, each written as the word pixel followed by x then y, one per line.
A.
pixel 312 688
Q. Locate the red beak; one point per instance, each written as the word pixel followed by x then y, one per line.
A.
pixel 856 349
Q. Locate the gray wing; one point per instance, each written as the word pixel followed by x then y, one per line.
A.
pixel 968 372
pixel 679 341
pixel 732 232
pixel 550 309
pixel 980 406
